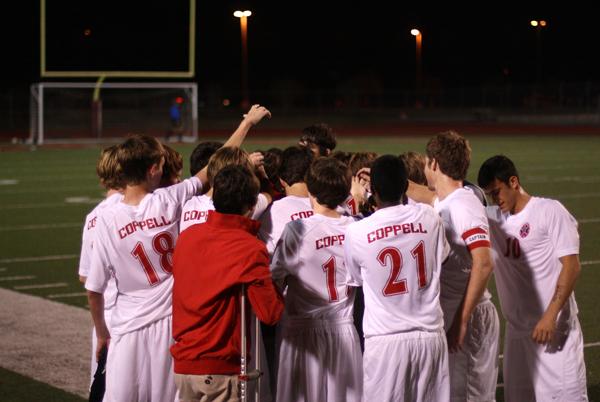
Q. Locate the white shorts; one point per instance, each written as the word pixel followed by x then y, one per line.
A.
pixel 554 372
pixel 410 366
pixel 319 362
pixel 474 369
pixel 139 365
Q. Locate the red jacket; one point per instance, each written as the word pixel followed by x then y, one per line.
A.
pixel 211 262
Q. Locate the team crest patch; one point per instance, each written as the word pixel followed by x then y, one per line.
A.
pixel 524 230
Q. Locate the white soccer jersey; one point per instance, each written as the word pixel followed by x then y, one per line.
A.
pixel 527 247
pixel 135 244
pixel 87 246
pixel 310 258
pixel 466 227
pixel 396 256
pixel 196 210
pixel 289 208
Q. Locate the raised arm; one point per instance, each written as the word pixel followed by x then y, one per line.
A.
pixel 571 268
pixel 252 118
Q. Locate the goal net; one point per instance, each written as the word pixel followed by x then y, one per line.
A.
pixel 63 112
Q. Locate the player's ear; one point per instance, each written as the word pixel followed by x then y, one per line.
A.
pixel 513 182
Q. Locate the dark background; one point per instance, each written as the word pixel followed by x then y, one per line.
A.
pixel 316 44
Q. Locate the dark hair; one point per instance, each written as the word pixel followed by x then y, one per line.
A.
pixel 328 180
pixel 235 190
pixel 361 160
pixel 136 155
pixel 320 135
pixel 497 167
pixel 201 155
pixel 342 156
pixel 295 161
pixel 415 166
pixel 388 178
pixel 452 153
pixel 272 164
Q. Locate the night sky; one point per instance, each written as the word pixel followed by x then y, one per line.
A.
pixel 316 44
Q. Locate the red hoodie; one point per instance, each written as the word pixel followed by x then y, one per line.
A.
pixel 211 262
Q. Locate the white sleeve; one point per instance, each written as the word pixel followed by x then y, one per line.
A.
pixel 471 223
pixel 353 276
pixel 262 203
pixel 181 192
pixel 87 242
pixel 99 273
pixel 562 228
pixel 286 253
pixel 265 232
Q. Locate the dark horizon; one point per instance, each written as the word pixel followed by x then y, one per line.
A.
pixel 318 46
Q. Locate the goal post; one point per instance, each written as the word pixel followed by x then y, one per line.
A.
pixel 101 112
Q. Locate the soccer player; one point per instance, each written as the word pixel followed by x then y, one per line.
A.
pixel 108 171
pixel 134 244
pixel 295 205
pixel 196 209
pixel 320 355
pixel 470 318
pixel 395 254
pixel 206 313
pixel 319 138
pixel 536 252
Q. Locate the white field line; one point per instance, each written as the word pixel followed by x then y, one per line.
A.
pixel 16 278
pixel 46 190
pixel 574 196
pixel 592 262
pixel 36 206
pixel 64 295
pixel 589 220
pixel 2 269
pixel 38 259
pixel 41 286
pixel 561 179
pixel 8 182
pixel 40 227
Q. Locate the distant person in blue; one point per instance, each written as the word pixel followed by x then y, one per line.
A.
pixel 176 128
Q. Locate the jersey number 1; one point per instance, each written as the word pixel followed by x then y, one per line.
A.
pixel 395 286
pixel 162 243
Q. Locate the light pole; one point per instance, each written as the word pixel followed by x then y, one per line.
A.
pixel 419 65
pixel 243 16
pixel 538 25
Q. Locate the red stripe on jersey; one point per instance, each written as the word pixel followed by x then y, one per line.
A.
pixel 477 244
pixel 472 232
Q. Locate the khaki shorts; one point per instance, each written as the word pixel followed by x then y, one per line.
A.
pixel 207 388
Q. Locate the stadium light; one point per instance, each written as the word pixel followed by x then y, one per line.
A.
pixel 538 25
pixel 419 67
pixel 243 16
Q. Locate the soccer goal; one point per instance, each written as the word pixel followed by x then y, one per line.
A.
pixel 71 112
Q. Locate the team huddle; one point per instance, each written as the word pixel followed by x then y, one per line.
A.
pixel 335 249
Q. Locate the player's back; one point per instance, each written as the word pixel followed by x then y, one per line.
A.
pixel 274 219
pixel 396 255
pixel 136 244
pixel 310 255
pixel 196 210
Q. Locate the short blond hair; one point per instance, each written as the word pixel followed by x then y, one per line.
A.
pixel 108 168
pixel 227 156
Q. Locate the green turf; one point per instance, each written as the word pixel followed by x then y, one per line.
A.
pixel 563 167
pixel 17 388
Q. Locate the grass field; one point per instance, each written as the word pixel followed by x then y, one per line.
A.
pixel 45 195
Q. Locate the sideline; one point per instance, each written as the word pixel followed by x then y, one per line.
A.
pixel 53 347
